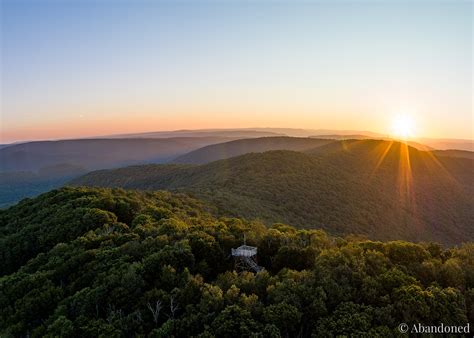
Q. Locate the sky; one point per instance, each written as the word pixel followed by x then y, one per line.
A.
pixel 83 68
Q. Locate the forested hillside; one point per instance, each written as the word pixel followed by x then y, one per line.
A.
pixel 80 262
pixel 381 189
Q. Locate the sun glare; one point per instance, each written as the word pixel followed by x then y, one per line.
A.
pixel 403 127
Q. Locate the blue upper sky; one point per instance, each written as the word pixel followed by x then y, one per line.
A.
pixel 74 68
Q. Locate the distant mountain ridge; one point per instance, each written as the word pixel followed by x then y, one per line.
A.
pixel 454 153
pixel 418 142
pixel 98 153
pixel 227 133
pixel 240 147
pixel 229 149
pixel 240 133
pixel 448 144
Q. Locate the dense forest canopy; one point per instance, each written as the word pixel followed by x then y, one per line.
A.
pixel 383 189
pixel 83 262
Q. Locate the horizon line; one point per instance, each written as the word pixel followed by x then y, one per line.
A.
pixel 257 129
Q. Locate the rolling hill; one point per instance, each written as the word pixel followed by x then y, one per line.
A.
pixel 98 153
pixel 243 133
pixel 413 144
pixel 240 147
pixel 455 153
pixel 447 144
pixel 382 189
pixel 222 133
pixel 234 148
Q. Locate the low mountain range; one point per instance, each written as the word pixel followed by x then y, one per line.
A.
pixel 227 133
pixel 21 162
pixel 381 189
pixel 240 133
pixel 239 147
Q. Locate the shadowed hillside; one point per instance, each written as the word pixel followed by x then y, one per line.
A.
pixel 385 190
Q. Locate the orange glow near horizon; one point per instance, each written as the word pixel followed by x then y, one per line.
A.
pixel 125 121
pixel 224 113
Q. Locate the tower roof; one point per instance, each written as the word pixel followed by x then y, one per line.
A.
pixel 245 250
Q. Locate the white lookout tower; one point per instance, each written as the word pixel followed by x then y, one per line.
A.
pixel 245 258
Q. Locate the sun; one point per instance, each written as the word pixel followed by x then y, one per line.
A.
pixel 403 127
